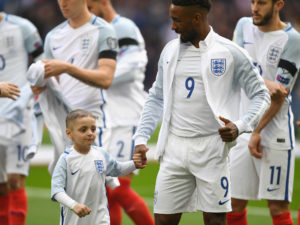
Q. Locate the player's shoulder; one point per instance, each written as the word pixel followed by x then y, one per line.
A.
pixel 293 34
pixel 57 28
pixel 25 25
pixel 172 44
pixel 123 25
pixel 224 45
pixel 244 20
pixel 100 23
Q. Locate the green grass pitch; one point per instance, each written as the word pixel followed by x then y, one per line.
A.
pixel 42 211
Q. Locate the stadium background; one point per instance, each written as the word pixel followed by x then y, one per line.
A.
pixel 152 17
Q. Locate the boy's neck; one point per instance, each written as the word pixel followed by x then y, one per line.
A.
pixel 82 150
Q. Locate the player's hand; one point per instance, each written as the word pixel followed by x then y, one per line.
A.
pixel 81 210
pixel 54 67
pixel 229 132
pixel 140 156
pixel 254 145
pixel 298 123
pixel 277 91
pixel 38 90
pixel 9 90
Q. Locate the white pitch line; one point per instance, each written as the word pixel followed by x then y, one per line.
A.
pixel 45 193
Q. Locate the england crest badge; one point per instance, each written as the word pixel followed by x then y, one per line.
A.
pixel 99 166
pixel 273 54
pixel 218 66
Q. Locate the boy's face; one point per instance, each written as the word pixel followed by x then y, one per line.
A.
pixel 82 131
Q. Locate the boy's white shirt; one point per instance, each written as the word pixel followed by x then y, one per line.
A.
pixel 82 178
pixel 222 96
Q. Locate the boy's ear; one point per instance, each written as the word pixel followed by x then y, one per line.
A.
pixel 69 133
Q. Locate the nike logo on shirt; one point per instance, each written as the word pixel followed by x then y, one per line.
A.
pixel 55 48
pixel 272 189
pixel 222 203
pixel 73 173
pixel 247 43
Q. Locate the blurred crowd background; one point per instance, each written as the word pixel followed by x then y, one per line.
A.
pixel 152 17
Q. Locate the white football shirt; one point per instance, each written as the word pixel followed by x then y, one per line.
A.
pixel 19 38
pixel 277 56
pixel 126 94
pixel 191 115
pixel 82 47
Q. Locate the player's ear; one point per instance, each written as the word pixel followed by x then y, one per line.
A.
pixel 69 133
pixel 279 5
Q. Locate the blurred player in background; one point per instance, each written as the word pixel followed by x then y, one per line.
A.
pixel 81 52
pixel 125 102
pixel 267 170
pixel 198 85
pixel 20 43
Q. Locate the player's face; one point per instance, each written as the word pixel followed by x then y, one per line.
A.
pixel 262 11
pixel 95 7
pixel 71 8
pixel 182 23
pixel 82 132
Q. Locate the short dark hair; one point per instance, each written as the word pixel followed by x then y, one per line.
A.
pixel 75 114
pixel 203 3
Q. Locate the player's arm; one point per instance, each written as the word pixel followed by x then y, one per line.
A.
pixel 101 77
pixel 79 209
pixel 131 62
pixel 115 168
pixel 9 90
pixel 285 79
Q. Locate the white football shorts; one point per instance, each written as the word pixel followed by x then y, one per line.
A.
pixel 268 178
pixel 193 175
pixel 12 158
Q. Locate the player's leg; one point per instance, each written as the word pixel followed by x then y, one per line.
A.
pixel 121 148
pixel 280 212
pixel 4 197
pixel 238 216
pixel 175 185
pixel 17 169
pixel 167 219
pixel 18 199
pixel 276 183
pixel 214 218
pixel 209 164
pixel 244 172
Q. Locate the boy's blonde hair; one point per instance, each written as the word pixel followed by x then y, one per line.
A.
pixel 75 114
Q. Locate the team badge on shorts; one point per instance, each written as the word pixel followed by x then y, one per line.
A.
pixel 218 66
pixel 99 166
pixel 112 43
pixel 273 54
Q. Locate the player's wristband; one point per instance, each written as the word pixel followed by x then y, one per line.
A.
pixel 73 205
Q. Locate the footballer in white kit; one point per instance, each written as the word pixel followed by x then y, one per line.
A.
pixel 126 94
pixel 83 47
pixel 276 55
pixel 20 42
